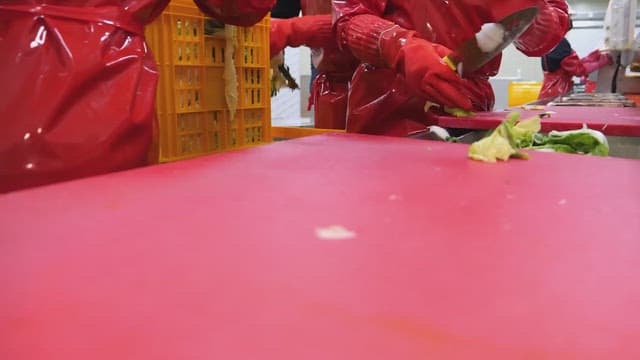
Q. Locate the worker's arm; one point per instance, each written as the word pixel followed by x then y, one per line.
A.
pixel 595 60
pixel 585 66
pixel 314 31
pixel 546 31
pixel 362 31
pixel 236 12
pixel 573 65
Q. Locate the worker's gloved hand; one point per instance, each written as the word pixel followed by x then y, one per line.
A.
pixel 314 31
pixel 596 60
pixel 421 63
pixel 236 12
pixel 380 42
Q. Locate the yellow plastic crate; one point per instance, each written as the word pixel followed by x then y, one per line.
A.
pixel 293 132
pixel 523 92
pixel 193 117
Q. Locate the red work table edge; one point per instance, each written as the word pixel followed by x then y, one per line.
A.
pixel 614 121
pixel 219 257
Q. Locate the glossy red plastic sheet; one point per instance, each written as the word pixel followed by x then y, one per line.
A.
pixel 79 85
pixel 79 89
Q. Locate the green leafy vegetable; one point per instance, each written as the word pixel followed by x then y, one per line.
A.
pixel 555 148
pixel 524 131
pixel 506 140
pixel 582 141
pixel 457 112
pixel 512 135
pixel 492 148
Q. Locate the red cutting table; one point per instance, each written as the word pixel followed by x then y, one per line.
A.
pixel 220 258
pixel 616 121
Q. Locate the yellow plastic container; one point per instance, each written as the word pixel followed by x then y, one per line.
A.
pixel 523 92
pixel 193 116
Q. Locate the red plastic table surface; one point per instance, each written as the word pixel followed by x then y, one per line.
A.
pixel 622 121
pixel 219 257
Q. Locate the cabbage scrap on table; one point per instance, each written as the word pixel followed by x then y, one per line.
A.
pixel 457 112
pixel 582 141
pixel 513 135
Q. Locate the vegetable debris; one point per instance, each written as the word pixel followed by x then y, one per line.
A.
pixel 457 112
pixel 334 232
pixel 582 141
pixel 513 135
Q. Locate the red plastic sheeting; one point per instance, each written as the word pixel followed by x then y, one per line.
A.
pixel 79 85
pixel 218 257
pixel 80 89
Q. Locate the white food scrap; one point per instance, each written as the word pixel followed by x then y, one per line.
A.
pixel 334 232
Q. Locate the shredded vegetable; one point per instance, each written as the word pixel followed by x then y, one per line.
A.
pixel 513 135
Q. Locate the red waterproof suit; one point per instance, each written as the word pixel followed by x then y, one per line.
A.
pixel 335 68
pixel 401 44
pixel 560 81
pixel 79 85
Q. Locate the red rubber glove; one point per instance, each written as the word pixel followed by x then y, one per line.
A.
pixel 430 76
pixel 380 42
pixel 314 31
pixel 236 12
pixel 596 60
pixel 547 29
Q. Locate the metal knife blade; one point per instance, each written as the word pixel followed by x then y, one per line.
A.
pixel 469 57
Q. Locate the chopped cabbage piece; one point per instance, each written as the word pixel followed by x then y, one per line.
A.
pixel 491 148
pixel 512 135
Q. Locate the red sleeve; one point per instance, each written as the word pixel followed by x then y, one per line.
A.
pixel 573 65
pixel 547 29
pixel 236 12
pixel 359 25
pixel 314 31
pixel 344 10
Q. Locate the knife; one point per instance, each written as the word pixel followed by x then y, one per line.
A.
pixel 490 41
